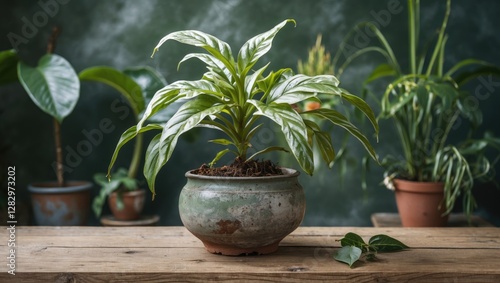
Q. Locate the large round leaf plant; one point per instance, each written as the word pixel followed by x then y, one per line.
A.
pixel 233 96
pixel 52 85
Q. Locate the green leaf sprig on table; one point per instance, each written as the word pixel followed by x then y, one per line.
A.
pixel 353 247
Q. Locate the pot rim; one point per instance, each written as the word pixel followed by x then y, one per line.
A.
pixel 139 191
pixel 51 187
pixel 288 173
pixel 418 187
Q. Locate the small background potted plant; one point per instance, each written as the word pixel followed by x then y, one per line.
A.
pixel 424 103
pixel 54 87
pixel 137 85
pixel 252 212
pixel 319 62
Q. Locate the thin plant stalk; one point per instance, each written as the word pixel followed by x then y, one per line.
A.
pixel 57 126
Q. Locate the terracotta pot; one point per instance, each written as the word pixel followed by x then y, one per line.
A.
pixel 242 215
pixel 61 206
pixel 133 203
pixel 420 204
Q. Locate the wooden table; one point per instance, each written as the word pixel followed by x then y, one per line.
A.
pixel 164 254
pixel 384 219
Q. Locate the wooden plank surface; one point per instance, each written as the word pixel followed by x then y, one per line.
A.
pixel 384 219
pixel 169 254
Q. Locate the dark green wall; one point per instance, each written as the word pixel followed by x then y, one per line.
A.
pixel 123 33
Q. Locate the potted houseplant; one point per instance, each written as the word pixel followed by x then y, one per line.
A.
pixel 54 87
pixel 319 62
pixel 249 206
pixel 137 85
pixel 424 103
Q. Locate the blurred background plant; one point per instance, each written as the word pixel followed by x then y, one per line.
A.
pixel 319 62
pixel 137 86
pixel 425 103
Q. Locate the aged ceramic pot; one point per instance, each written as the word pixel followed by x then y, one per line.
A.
pixel 420 204
pixel 61 206
pixel 133 203
pixel 242 215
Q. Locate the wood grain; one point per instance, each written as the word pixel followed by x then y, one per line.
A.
pixel 383 219
pixel 170 254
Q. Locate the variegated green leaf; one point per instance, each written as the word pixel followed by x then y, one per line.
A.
pixel 363 107
pixel 267 83
pixel 176 91
pixel 127 136
pixel 256 47
pixel 218 48
pixel 340 120
pixel 293 128
pixel 324 142
pixel 230 100
pixel 151 164
pixel 189 115
pixel 212 63
pixel 251 81
pixel 300 87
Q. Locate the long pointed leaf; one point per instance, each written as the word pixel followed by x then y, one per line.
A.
pixel 266 150
pixel 364 107
pixel 213 63
pixel 219 155
pixel 128 135
pixel 119 81
pixel 151 164
pixel 466 76
pixel 256 47
pixel 340 120
pixel 218 48
pixel 384 243
pixel 176 91
pixel 251 80
pixel 324 142
pixel 300 87
pixel 192 113
pixel 292 127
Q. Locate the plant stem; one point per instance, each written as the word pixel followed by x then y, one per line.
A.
pixel 59 154
pixel 51 46
pixel 136 158
pixel 412 35
pixel 439 43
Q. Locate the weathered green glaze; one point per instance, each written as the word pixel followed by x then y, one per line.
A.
pixel 236 216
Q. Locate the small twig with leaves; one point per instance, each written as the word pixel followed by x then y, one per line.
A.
pixel 353 247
